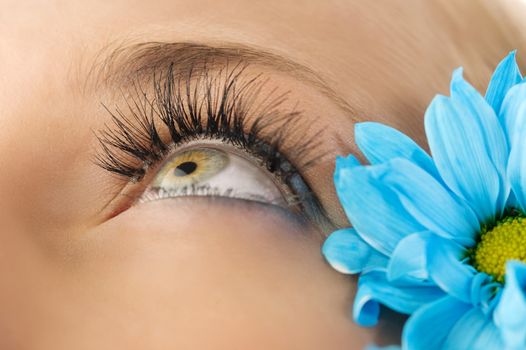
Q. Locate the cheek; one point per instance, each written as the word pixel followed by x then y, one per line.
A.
pixel 195 275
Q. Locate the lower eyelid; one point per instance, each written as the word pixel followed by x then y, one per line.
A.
pixel 312 214
pixel 200 205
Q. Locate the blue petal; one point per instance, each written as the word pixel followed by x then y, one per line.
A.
pixel 447 270
pixel 346 252
pixel 509 111
pixel 374 289
pixel 495 139
pixel 466 95
pixel 483 291
pixel 380 143
pixel 505 76
pixel 429 326
pixel 517 161
pixel 390 347
pixel 374 210
pixel 430 203
pixel 474 331
pixel 510 313
pixel 459 149
pixel 346 162
pixel 409 257
pixel 366 310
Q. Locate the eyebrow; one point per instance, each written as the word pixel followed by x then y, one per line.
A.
pixel 124 63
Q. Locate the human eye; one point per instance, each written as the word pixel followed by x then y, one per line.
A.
pixel 215 169
pixel 211 134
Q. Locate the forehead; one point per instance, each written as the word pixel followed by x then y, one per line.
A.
pixel 46 42
pixel 384 58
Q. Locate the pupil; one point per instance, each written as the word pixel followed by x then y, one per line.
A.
pixel 185 168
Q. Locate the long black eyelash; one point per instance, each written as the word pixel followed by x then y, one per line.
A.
pixel 200 106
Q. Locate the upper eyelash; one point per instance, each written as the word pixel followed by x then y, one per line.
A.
pixel 134 142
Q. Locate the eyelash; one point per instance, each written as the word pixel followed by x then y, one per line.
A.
pixel 134 143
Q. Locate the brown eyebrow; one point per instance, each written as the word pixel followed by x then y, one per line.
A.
pixel 125 63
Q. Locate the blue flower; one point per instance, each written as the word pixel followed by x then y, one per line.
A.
pixel 442 238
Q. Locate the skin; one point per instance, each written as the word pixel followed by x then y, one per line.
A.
pixel 193 273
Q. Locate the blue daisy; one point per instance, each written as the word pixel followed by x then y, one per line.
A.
pixel 442 238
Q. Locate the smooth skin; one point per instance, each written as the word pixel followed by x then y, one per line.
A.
pixel 193 273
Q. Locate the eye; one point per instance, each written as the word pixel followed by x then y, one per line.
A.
pixel 214 133
pixel 215 169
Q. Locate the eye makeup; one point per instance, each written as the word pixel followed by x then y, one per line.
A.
pixel 223 107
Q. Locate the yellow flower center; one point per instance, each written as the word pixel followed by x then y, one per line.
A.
pixel 505 241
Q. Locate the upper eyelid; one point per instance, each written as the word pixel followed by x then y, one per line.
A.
pixel 117 65
pixel 177 103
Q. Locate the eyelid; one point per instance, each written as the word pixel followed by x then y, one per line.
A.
pixel 223 107
pixel 234 208
pixel 132 192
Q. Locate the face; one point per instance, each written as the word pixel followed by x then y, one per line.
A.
pixel 167 165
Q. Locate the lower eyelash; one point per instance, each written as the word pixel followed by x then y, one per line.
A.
pixel 201 190
pixel 202 107
pixel 204 190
